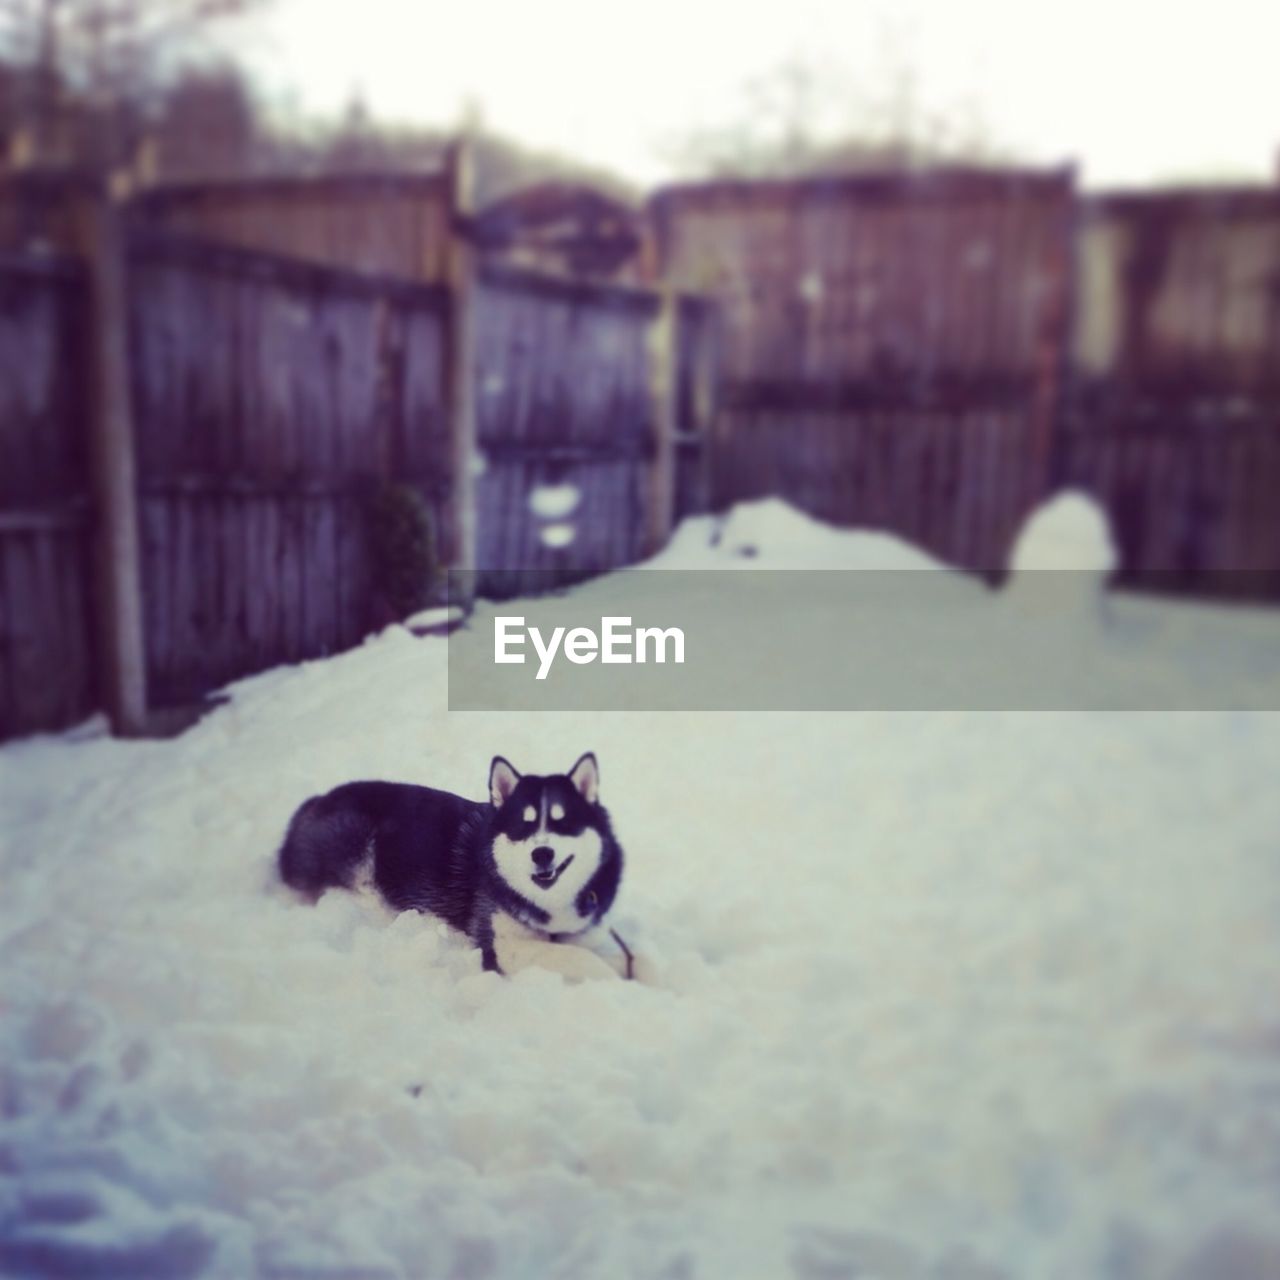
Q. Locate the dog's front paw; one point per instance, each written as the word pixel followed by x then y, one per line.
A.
pixel 572 962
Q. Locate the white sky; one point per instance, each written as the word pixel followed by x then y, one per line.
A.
pixel 1135 90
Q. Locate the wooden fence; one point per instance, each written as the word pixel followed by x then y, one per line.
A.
pixel 265 399
pixel 926 354
pixel 385 224
pixel 1173 414
pixel 1192 489
pixel 586 454
pixel 566 427
pixel 695 403
pixel 270 398
pixel 892 347
pixel 47 669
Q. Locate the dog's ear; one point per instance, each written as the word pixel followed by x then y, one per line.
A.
pixel 502 781
pixel 585 775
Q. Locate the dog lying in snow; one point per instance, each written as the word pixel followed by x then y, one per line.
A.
pixel 541 853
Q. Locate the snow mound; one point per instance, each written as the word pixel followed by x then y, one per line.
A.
pixel 437 616
pixel 1070 531
pixel 772 534
pixel 554 501
pixel 937 995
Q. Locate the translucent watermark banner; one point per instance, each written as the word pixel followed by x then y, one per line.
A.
pixel 847 640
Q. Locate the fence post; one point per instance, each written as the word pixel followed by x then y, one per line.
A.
pixel 121 644
pixel 706 400
pixel 664 355
pixel 461 377
pixel 1055 384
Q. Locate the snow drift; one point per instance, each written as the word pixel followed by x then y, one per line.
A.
pixel 933 995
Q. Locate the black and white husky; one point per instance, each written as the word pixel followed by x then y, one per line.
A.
pixel 541 852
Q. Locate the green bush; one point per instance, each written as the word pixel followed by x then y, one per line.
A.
pixel 402 546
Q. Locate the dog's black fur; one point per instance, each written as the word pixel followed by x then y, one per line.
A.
pixel 433 851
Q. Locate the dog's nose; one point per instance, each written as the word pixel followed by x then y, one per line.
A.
pixel 543 855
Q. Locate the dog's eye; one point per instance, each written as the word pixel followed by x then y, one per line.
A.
pixel 590 902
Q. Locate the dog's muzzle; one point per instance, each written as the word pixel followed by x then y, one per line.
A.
pixel 545 877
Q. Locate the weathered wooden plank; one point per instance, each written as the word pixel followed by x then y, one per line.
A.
pixel 212 256
pixel 156 613
pixel 10 724
pixel 271 603
pixel 40 678
pixel 317 579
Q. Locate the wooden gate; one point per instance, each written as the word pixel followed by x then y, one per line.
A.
pixel 565 428
pixel 47 669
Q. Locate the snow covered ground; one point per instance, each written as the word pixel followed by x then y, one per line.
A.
pixel 941 996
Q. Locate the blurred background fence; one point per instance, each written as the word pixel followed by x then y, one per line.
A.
pixel 893 346
pixel 565 421
pixel 293 349
pixel 561 378
pixel 1173 413
pixel 270 399
pixel 386 224
pixel 47 669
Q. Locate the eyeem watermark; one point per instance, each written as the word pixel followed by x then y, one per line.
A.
pixel 616 642
pixel 852 640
